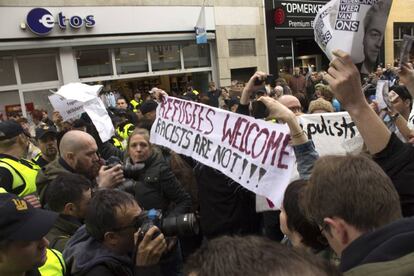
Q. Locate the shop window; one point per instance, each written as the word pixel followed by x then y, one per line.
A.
pixel 196 55
pixel 9 104
pixel 7 74
pixel 131 60
pixel 93 63
pixel 242 47
pixel 165 57
pixel 37 68
pixel 242 74
pixel 401 29
pixel 40 100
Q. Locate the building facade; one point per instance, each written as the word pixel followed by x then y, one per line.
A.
pixel 124 45
pixel 289 26
pixel 400 22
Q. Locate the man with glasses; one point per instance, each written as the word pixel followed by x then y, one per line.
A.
pixel 357 206
pixel 109 243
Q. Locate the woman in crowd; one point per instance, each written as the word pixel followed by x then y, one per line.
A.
pixel 320 106
pixel 156 187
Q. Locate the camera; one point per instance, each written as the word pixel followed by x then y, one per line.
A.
pixel 130 171
pixel 270 79
pixel 181 225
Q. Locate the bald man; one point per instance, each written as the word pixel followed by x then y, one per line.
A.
pixel 292 103
pixel 78 154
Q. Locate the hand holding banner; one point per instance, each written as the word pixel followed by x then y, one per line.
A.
pixel 254 153
pixel 86 99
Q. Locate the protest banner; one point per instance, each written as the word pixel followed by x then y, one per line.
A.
pixel 332 134
pixel 381 95
pixel 68 109
pixel 92 105
pixel 252 152
pixel 354 26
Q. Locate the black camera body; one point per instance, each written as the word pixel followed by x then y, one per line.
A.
pixel 130 171
pixel 181 225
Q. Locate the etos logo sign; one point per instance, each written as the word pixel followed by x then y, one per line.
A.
pixel 41 21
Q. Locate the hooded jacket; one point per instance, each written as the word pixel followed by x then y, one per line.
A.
pixel 375 253
pixel 86 256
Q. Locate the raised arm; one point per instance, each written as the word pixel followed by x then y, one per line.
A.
pixel 305 152
pixel 344 81
pixel 406 74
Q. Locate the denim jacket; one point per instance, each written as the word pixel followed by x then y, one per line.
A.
pixel 306 155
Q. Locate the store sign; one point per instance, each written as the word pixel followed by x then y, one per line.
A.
pixel 295 14
pixel 41 21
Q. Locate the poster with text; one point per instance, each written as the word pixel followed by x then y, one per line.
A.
pixel 332 134
pixel 354 26
pixel 252 152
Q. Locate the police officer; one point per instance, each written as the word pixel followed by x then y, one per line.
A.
pixel 46 137
pixel 122 132
pixel 23 247
pixel 17 175
pixel 136 101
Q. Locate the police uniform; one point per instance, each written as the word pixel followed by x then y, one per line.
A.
pixel 136 104
pixel 20 221
pixel 124 130
pixel 17 176
pixel 117 143
pixel 39 160
pixel 55 265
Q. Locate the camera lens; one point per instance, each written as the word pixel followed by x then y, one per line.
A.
pixel 182 225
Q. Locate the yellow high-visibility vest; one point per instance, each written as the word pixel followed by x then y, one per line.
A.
pixel 24 174
pixel 55 265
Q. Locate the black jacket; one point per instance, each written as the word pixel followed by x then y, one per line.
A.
pixel 385 244
pixel 156 187
pixel 226 208
pixel 86 256
pixel 397 160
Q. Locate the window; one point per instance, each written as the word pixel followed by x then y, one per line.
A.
pixel 9 103
pixel 37 68
pixel 131 60
pixel 165 57
pixel 93 62
pixel 242 47
pixel 401 29
pixel 7 74
pixel 196 55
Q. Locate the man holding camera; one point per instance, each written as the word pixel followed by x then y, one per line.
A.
pixel 78 154
pixel 110 242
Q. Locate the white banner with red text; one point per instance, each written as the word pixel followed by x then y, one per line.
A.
pixel 252 152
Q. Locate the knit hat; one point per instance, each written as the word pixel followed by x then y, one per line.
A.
pixel 320 104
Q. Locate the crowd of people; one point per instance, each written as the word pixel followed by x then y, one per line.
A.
pixel 72 204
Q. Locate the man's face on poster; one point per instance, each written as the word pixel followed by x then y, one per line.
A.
pixel 373 38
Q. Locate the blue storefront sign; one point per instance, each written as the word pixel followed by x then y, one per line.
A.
pixel 41 21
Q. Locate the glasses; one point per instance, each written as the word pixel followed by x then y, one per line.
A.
pixel 134 224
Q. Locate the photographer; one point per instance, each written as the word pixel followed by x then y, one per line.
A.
pixel 109 239
pixel 155 187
